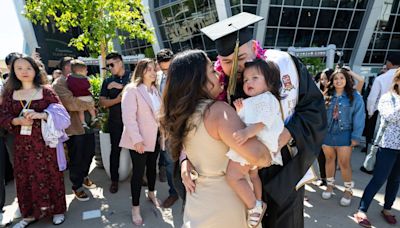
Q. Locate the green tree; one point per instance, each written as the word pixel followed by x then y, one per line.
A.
pixel 99 20
pixel 313 64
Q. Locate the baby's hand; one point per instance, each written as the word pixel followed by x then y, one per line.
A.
pixel 238 103
pixel 241 136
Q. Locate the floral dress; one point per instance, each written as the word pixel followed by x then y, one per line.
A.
pixel 40 185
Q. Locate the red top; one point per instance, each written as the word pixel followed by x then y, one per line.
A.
pixel 79 85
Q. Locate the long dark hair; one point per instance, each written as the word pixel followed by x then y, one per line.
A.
pixel 331 89
pixel 13 83
pixel 328 72
pixel 185 87
pixel 271 73
pixel 140 70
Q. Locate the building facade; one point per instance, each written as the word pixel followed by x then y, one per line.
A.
pixel 364 31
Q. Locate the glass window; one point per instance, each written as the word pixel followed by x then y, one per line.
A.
pixel 250 9
pixel 285 38
pixel 378 57
pixel 176 47
pixel 311 2
pixel 351 39
pixel 337 38
pixel 293 2
pixel 255 2
pixel 178 12
pixel 371 42
pixel 273 16
pixel 276 2
pixel 156 3
pixel 289 17
pixel 347 3
pixel 397 26
pixel 367 56
pixel 362 4
pixel 189 8
pixel 329 3
pixel 166 44
pixel 385 25
pixel 210 45
pixel 163 33
pixel 395 42
pixel 320 38
pixel 307 18
pixel 186 45
pixel 343 18
pixel 197 42
pixel 357 19
pixel 325 18
pixel 235 2
pixel 303 38
pixel 270 37
pixel 236 10
pixel 382 41
pixel 167 15
pixel 159 17
pixel 346 56
pixel 394 6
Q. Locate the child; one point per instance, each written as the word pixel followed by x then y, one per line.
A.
pixel 79 85
pixel 262 115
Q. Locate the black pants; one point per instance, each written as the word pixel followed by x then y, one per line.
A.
pixel 146 160
pixel 115 135
pixel 321 164
pixel 81 151
pixel 3 152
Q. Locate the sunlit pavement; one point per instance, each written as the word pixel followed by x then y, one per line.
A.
pixel 116 210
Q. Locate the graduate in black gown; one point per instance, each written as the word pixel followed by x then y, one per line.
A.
pixel 303 108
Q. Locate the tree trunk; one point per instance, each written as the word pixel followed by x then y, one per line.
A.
pixel 103 50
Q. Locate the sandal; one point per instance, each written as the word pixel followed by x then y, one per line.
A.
pixel 58 219
pixel 391 219
pixel 255 215
pixel 25 222
pixel 346 201
pixel 364 222
pixel 154 199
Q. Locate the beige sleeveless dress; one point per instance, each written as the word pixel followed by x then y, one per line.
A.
pixel 214 204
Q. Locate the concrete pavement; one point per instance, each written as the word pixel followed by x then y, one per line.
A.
pixel 115 208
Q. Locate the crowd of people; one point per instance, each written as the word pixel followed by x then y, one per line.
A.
pixel 242 131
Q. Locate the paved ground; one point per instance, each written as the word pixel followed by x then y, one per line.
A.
pixel 115 208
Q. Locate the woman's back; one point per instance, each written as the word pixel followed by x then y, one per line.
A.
pixel 214 203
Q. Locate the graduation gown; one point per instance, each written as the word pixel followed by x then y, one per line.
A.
pixel 308 127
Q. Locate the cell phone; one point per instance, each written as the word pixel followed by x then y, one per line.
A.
pixel 340 64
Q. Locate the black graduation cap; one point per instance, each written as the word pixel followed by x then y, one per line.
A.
pixel 226 32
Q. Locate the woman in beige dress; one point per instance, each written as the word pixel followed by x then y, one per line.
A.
pixel 194 121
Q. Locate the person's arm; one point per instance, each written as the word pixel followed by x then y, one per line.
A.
pixel 373 97
pixel 71 103
pixel 358 119
pixel 226 122
pixel 308 127
pixel 106 102
pixel 241 136
pixel 360 80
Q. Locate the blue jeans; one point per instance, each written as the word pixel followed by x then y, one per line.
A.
pixel 166 160
pixel 387 167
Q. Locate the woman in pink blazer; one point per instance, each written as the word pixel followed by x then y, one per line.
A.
pixel 140 107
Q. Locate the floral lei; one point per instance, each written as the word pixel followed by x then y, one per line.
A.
pixel 222 76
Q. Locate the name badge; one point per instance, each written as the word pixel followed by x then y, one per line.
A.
pixel 26 130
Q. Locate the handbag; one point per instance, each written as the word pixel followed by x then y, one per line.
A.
pixel 370 159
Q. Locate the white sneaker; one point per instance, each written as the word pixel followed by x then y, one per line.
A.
pixel 326 195
pixel 345 202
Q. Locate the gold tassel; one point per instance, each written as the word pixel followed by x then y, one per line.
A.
pixel 233 76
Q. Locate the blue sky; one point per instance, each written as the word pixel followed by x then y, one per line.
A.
pixel 11 38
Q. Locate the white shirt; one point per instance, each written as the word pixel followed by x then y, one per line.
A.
pixel 155 102
pixel 381 86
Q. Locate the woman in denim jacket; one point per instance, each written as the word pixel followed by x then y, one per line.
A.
pixel 387 166
pixel 346 118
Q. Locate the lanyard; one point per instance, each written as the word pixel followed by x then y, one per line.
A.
pixel 28 103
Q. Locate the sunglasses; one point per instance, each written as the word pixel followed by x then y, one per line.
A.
pixel 111 65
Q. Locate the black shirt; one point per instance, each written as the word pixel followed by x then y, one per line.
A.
pixel 115 110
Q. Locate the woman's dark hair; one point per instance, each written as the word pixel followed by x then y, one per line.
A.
pixel 184 89
pixel 271 73
pixel 331 89
pixel 140 70
pixel 13 83
pixel 328 72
